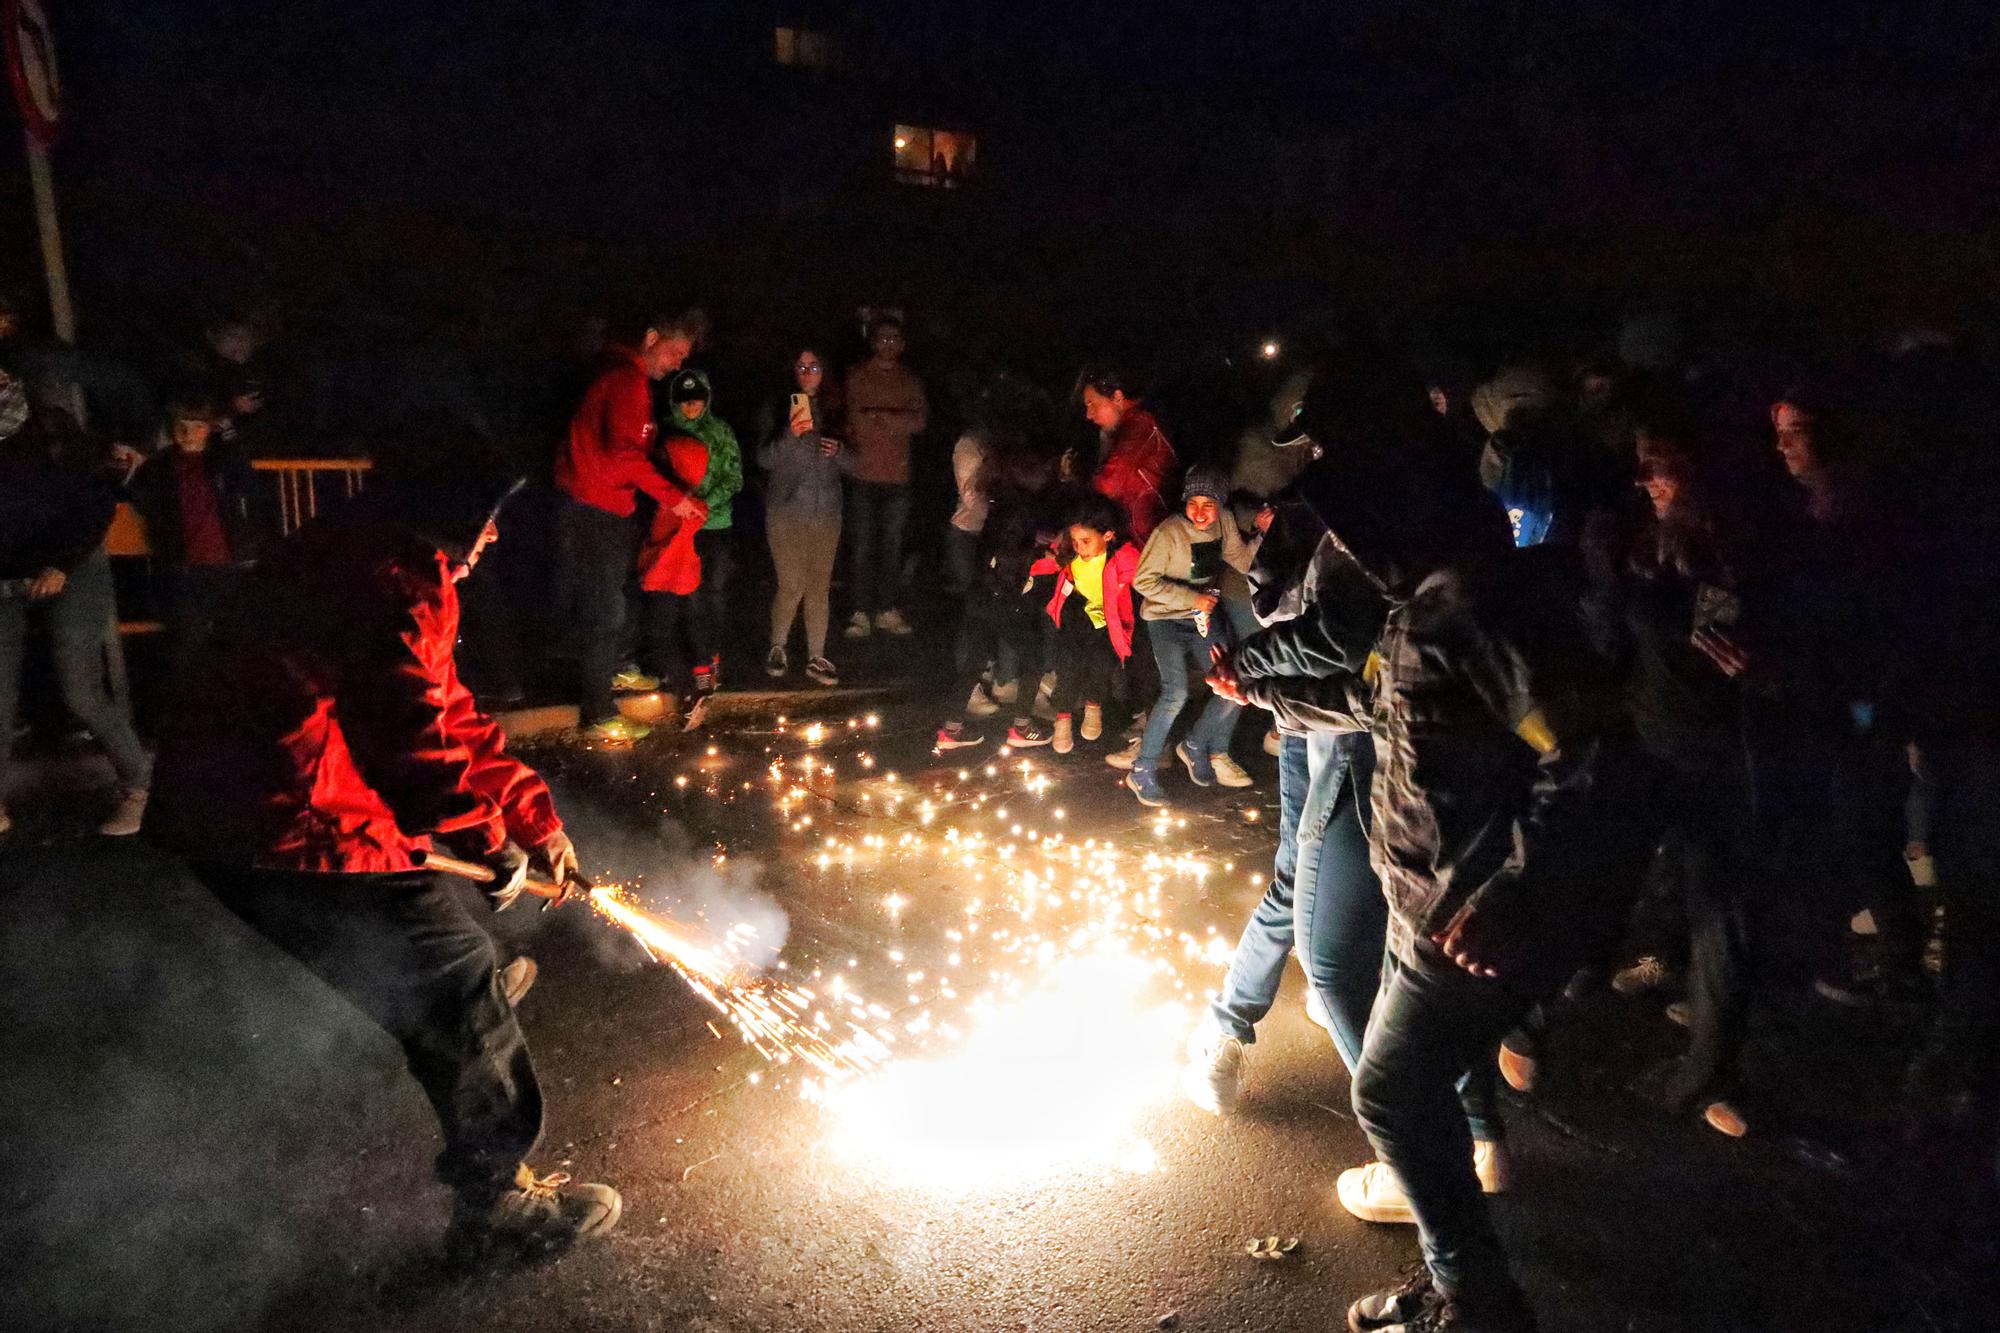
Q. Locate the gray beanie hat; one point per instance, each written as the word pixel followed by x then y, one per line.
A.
pixel 1206 481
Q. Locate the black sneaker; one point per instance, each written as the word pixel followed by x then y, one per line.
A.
pixel 708 677
pixel 956 736
pixel 821 672
pixel 1027 735
pixel 1440 1314
pixel 1398 1305
pixel 538 1213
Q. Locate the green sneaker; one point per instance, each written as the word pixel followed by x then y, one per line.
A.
pixel 617 731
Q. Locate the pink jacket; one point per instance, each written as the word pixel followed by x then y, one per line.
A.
pixel 1118 568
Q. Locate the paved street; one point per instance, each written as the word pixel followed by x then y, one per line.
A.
pixel 198 1136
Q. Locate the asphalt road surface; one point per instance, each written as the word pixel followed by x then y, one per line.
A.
pixel 198 1136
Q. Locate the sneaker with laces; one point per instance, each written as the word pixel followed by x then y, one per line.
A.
pixel 1438 1313
pixel 1144 783
pixel 1228 772
pixel 127 815
pixel 1373 1193
pixel 956 736
pixel 1398 1305
pixel 634 681
pixel 517 979
pixel 1648 974
pixel 1126 757
pixel 1093 722
pixel 536 1213
pixel 1212 1078
pixel 1027 734
pixel 619 730
pixel 858 626
pixel 775 662
pixel 978 705
pixel 1200 771
pixel 1046 686
pixel 1065 734
pixel 822 672
pixel 707 680
pixel 1006 694
pixel 891 622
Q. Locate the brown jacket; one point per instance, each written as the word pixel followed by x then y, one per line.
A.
pixel 885 407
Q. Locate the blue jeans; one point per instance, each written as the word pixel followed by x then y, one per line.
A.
pixel 1433 1023
pixel 1250 987
pixel 876 515
pixel 1340 912
pixel 1179 648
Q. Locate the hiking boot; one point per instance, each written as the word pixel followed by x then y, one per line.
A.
pixel 1126 757
pixel 1200 771
pixel 1065 735
pixel 978 705
pixel 1027 734
pixel 618 730
pixel 775 662
pixel 538 1213
pixel 956 736
pixel 858 626
pixel 821 672
pixel 634 681
pixel 1093 722
pixel 1373 1193
pixel 1143 783
pixel 1648 974
pixel 127 815
pixel 891 622
pixel 1397 1305
pixel 1213 1075
pixel 517 979
pixel 1228 772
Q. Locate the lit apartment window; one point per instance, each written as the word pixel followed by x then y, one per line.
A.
pixel 805 48
pixel 941 159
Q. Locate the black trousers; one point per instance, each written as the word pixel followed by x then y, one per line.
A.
pixel 668 648
pixel 988 622
pixel 406 951
pixel 717 550
pixel 1085 660
pixel 605 551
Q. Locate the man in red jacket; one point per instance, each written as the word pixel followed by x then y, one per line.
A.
pixel 601 468
pixel 1140 469
pixel 325 747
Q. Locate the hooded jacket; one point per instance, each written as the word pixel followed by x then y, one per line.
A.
pixel 330 731
pixel 801 481
pixel 1498 737
pixel 1138 469
pixel 724 478
pixel 604 460
pixel 668 561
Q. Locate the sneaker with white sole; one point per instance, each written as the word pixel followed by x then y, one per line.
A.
pixel 1093 722
pixel 1126 757
pixel 1373 1193
pixel 1028 734
pixel 634 682
pixel 1046 686
pixel 1200 771
pixel 891 622
pixel 1316 1009
pixel 619 730
pixel 822 672
pixel 1144 783
pixel 127 815
pixel 775 662
pixel 956 736
pixel 1065 734
pixel 858 626
pixel 1228 772
pixel 537 1213
pixel 978 705
pixel 1648 974
pixel 1006 694
pixel 1213 1075
pixel 517 979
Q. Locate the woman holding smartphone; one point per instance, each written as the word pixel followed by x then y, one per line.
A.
pixel 804 461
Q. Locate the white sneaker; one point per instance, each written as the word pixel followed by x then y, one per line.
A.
pixel 891 622
pixel 517 979
pixel 1316 1009
pixel 1093 722
pixel 978 705
pixel 858 626
pixel 1126 757
pixel 127 815
pixel 1065 739
pixel 1213 1075
pixel 1373 1192
pixel 1272 743
pixel 1228 772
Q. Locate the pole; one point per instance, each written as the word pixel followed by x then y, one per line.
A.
pixel 62 315
pixel 479 874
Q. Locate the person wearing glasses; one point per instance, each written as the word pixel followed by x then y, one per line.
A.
pixel 886 407
pixel 803 460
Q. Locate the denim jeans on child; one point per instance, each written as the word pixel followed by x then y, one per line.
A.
pixel 1182 650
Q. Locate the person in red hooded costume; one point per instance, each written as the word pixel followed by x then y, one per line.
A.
pixel 323 748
